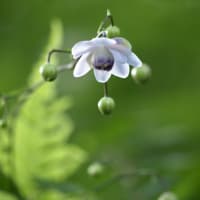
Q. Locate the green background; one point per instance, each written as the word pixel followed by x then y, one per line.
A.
pixel 155 126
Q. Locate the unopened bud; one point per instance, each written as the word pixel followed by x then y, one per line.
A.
pixel 106 105
pixel 48 72
pixel 141 74
pixel 113 31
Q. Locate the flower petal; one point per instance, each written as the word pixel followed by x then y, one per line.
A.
pixel 122 41
pixel 134 60
pixel 102 76
pixel 80 48
pixel 82 67
pixel 121 70
pixel 118 56
pixel 103 42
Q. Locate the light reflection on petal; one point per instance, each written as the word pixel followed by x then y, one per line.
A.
pixel 82 67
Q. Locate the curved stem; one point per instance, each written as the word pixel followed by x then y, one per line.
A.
pixel 56 51
pixel 28 91
pixel 67 66
pixel 21 98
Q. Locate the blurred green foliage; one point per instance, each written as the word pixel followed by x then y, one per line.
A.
pixel 153 127
pixel 39 152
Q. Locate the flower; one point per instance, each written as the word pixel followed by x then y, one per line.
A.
pixel 105 56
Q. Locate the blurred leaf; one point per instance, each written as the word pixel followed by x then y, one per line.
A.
pixel 5 156
pixel 155 126
pixel 7 196
pixel 52 195
pixel 41 133
pixel 68 159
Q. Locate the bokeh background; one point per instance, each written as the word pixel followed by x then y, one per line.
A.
pixel 155 126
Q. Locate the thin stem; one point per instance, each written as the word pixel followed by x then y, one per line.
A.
pixel 56 51
pixel 108 18
pixel 28 91
pixel 101 34
pixel 67 66
pixel 105 89
pixel 24 96
pixel 22 93
pixel 34 87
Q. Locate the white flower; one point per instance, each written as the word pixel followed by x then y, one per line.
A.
pixel 105 56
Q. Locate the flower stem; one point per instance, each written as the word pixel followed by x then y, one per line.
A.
pixel 68 66
pixel 105 89
pixel 109 15
pixel 28 91
pixel 56 51
pixel 108 18
pixel 21 96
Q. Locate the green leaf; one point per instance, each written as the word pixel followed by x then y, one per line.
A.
pixel 41 150
pixel 52 195
pixel 51 170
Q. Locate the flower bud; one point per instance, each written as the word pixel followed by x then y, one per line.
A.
pixel 167 196
pixel 113 31
pixel 106 105
pixel 48 72
pixel 141 74
pixel 95 169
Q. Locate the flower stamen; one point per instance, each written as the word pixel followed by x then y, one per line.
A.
pixel 102 59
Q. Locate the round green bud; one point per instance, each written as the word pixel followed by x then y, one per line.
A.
pixel 106 105
pixel 167 196
pixel 95 169
pixel 48 72
pixel 113 31
pixel 141 74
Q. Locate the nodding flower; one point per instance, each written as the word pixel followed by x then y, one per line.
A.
pixel 105 56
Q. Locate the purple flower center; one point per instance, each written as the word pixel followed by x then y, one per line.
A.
pixel 102 59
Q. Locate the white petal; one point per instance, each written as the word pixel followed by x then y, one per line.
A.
pixel 121 49
pixel 123 41
pixel 118 56
pixel 134 60
pixel 80 48
pixel 82 67
pixel 102 76
pixel 121 70
pixel 103 42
